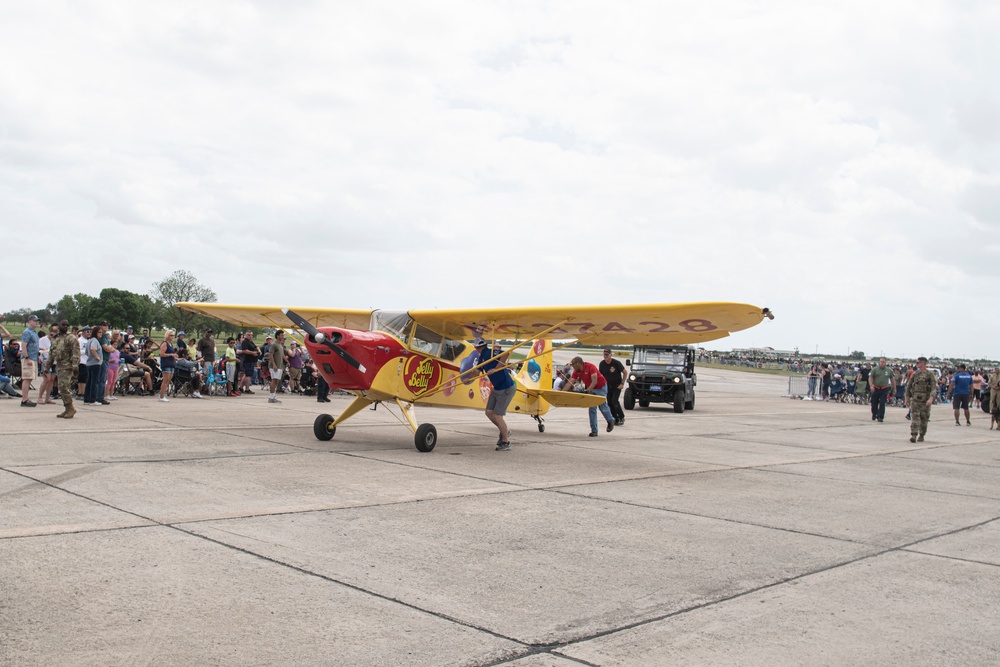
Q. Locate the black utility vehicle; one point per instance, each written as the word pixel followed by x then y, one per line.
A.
pixel 661 374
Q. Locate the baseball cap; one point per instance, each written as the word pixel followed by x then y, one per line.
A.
pixel 479 342
pixel 607 350
pixel 86 328
pixel 33 318
pixel 181 333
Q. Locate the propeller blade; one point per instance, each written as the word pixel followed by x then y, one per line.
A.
pixel 318 337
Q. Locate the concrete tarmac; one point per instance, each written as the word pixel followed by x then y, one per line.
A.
pixel 754 530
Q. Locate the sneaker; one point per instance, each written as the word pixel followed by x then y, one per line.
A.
pixel 105 402
pixel 163 399
pixel 273 400
pixel 196 394
pixel 873 417
pixel 235 393
pixel 957 424
pixel 28 404
pixel 913 438
pixel 611 427
pixel 920 438
pixel 968 423
pixel 503 446
pixel 247 391
pixel 593 434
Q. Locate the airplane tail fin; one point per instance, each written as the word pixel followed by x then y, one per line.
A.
pixel 537 373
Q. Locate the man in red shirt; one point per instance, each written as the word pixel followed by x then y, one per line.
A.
pixel 589 380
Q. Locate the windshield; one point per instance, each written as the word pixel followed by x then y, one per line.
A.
pixel 674 359
pixel 395 323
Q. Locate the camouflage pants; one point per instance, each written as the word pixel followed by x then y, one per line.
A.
pixel 67 385
pixel 920 414
pixel 995 401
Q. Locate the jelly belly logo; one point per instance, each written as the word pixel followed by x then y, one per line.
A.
pixel 421 374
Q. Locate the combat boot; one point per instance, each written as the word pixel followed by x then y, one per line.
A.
pixel 70 411
pixel 61 415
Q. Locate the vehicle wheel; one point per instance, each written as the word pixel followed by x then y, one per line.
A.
pixel 643 404
pixel 323 428
pixel 678 400
pixel 629 401
pixel 426 437
pixel 541 428
pixel 689 405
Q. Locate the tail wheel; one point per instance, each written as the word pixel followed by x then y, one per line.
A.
pixel 426 437
pixel 323 427
pixel 629 402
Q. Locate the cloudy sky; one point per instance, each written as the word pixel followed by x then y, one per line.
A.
pixel 838 162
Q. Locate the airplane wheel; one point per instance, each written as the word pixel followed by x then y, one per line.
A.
pixel 541 428
pixel 629 401
pixel 323 429
pixel 426 437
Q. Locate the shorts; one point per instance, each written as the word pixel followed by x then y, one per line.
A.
pixel 960 401
pixel 248 369
pixel 500 399
pixel 231 372
pixel 294 373
pixel 277 373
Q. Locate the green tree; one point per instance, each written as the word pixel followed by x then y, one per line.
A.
pixel 121 308
pixel 857 355
pixel 74 308
pixel 177 287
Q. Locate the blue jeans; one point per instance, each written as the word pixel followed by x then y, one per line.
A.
pixel 94 391
pixel 103 380
pixel 605 410
pixel 812 387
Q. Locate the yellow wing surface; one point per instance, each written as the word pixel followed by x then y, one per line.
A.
pixel 271 316
pixel 642 324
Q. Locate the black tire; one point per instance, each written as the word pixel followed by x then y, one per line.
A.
pixel 629 402
pixel 643 404
pixel 678 400
pixel 425 437
pixel 689 405
pixel 541 428
pixel 322 428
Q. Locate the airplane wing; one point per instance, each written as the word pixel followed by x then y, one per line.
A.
pixel 271 316
pixel 643 324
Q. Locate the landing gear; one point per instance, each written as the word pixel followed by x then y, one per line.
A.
pixel 541 425
pixel 323 427
pixel 425 438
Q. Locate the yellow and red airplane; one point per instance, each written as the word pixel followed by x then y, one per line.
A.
pixel 423 357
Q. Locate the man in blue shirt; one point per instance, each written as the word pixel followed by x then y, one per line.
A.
pixel 959 390
pixel 503 392
pixel 29 351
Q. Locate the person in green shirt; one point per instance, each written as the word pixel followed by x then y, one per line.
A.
pixel 882 383
pixel 231 366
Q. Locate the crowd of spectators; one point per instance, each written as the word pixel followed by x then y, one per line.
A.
pixel 117 363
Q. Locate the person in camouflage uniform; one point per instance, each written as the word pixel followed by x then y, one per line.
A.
pixel 65 358
pixel 994 384
pixel 919 397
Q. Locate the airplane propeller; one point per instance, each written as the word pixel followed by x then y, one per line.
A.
pixel 320 338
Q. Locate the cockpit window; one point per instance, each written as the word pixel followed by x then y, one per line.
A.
pixel 426 341
pixel 395 323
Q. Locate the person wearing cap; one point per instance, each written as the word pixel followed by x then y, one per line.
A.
pixel 295 362
pixel 959 390
pixel 276 362
pixel 29 352
pixel 182 344
pixel 206 351
pixel 503 391
pixel 590 381
pixel 614 372
pixel 81 379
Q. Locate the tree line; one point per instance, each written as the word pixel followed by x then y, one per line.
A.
pixel 120 308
